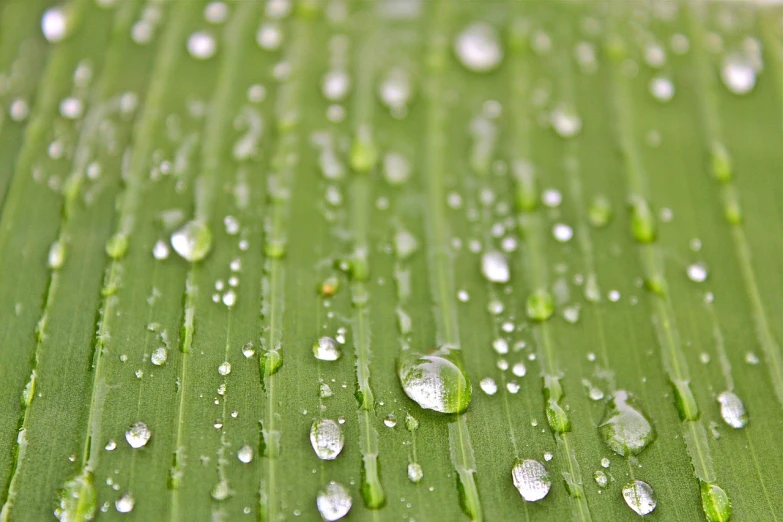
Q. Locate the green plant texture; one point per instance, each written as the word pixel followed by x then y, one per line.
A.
pixel 391 260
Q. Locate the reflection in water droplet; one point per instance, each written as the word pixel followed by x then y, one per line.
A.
pixel 334 502
pixel 390 421
pixel 738 74
pixel 625 429
pixel 125 503
pixel 732 410
pixel 326 349
pixel 639 497
pixel 327 439
pixel 415 473
pixel 494 266
pixel 138 435
pixel 531 479
pixel 192 241
pixel 435 383
pixel 77 499
pixel 715 503
pixel 478 47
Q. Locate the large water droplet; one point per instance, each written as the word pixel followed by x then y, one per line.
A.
pixel 415 473
pixel 488 385
pixel 531 479
pixel 738 74
pixel 625 429
pixel 478 47
pixel 697 272
pixel 435 383
pixel 334 501
pixel 715 503
pixel 125 503
pixel 327 439
pixel 326 349
pixel 192 241
pixel 77 500
pixel 639 497
pixel 494 266
pixel 138 435
pixel 245 454
pixel 732 410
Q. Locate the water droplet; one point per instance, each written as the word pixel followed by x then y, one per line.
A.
pixel 216 12
pixel 77 499
pixel 159 356
pixel 117 246
pixel 600 478
pixel 221 490
pixel 334 501
pixel 335 85
pixel 125 503
pixel 478 47
pixel 18 110
pixel 54 24
pixel 751 358
pixel 435 383
pixel 552 198
pixel 494 266
pixel 519 369
pixel 192 241
pixel 138 435
pixel 732 410
pixel 395 91
pixel 110 446
pixel 566 121
pixel 540 305
pixel 202 45
pixel 396 168
pixel 245 454
pixel 662 88
pixel 269 36
pixel 605 462
pixel 327 439
pixel 562 233
pixel 571 314
pixel 405 244
pixel 160 251
pixel 463 296
pixel 625 428
pixel 415 473
pixel 326 349
pixel 642 221
pixel 57 255
pixel 512 387
pixel 495 307
pixel 639 497
pixel 248 351
pixel 411 424
pixel 71 108
pixel 225 368
pixel 488 385
pixel 715 503
pixel 390 421
pixel 600 211
pixel 738 74
pixel 500 346
pixel 697 272
pixel 531 480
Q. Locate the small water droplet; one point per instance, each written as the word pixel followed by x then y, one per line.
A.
pixel 192 241
pixel 494 266
pixel 495 307
pixel 478 47
pixel 396 168
pixel 71 108
pixel 697 272
pixel 160 251
pixel 395 91
pixel 334 502
pixel 54 24
pixel 519 369
pixel 738 74
pixel 552 198
pixel 245 454
pixel 751 358
pixel 562 233
pixel 324 391
pixel 225 368
pixel 327 439
pixel 138 435
pixel 159 356
pixel 202 45
pixel 125 503
pixel 488 385
pixel 540 305
pixel 326 349
pixel 732 410
pixel 221 491
pixel 405 244
pixel 605 462
pixel 600 478
pixel 269 36
pixel 639 497
pixel 463 296
pixel 600 212
pixel 415 473
pixel 625 428
pixel 565 121
pixel 248 351
pixel 435 383
pixel 110 446
pixel 77 499
pixel 662 88
pixel 57 255
pixel 411 424
pixel 512 387
pixel 216 12
pixel 531 480
pixel 335 85
pixel 390 421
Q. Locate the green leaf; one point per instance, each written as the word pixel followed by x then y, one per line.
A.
pixel 390 260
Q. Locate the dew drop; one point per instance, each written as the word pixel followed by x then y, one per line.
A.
pixel 396 90
pixel 715 503
pixel 415 473
pixel 435 383
pixel 662 88
pixel 552 198
pixel 245 454
pixel 732 410
pixel 697 272
pixel 478 48
pixel 405 244
pixel 494 266
pixel 600 211
pixel 605 462
pixel 225 368
pixel 77 499
pixel 566 122
pixel 540 305
pixel 488 385
pixel 248 350
pixel 625 428
pixel 125 503
pixel 600 478
pixel 110 446
pixel 326 349
pixel 738 74
pixel 396 168
pixel 334 501
pixel 500 346
pixel 138 435
pixel 160 251
pixel 390 421
pixel 71 108
pixel 639 497
pixel 202 45
pixel 57 255
pixel 327 439
pixel 192 241
pixel 512 387
pixel 519 369
pixel 216 12
pixel 54 24
pixel 269 36
pixel 531 479
pixel 221 490
pixel 495 307
pixel 562 233
pixel 335 85
pixel 159 356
